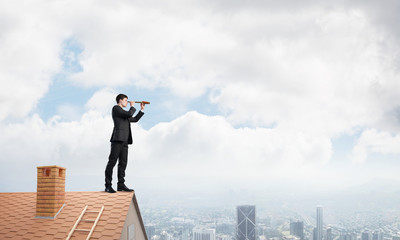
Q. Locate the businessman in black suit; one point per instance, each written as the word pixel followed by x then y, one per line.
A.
pixel 120 139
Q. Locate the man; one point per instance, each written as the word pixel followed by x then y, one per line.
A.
pixel 120 138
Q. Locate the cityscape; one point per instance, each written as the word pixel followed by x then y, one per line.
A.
pixel 247 222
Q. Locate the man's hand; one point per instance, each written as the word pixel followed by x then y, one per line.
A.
pixel 142 106
pixel 132 103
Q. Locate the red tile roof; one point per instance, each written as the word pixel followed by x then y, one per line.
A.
pixel 18 221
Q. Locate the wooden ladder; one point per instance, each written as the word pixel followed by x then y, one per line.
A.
pixel 90 231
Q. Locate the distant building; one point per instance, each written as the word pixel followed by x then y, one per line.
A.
pixel 186 233
pixel 396 237
pixel 329 235
pixel 203 233
pixel 297 229
pixel 262 237
pixel 344 236
pixel 320 223
pixel 227 237
pixel 225 228
pixel 165 236
pixel 377 235
pixel 314 234
pixel 365 235
pixel 246 222
pixel 348 236
pixel 290 237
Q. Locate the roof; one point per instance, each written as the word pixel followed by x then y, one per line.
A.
pixel 18 221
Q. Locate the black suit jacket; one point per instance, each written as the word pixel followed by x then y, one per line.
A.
pixel 122 127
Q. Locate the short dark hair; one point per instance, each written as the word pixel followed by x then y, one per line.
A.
pixel 120 97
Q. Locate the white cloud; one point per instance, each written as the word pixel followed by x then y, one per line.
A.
pixel 102 101
pixel 309 68
pixel 193 150
pixel 374 141
pixel 324 74
pixel 193 145
pixel 29 48
pixel 328 80
pixel 69 112
pixel 80 146
pixel 198 146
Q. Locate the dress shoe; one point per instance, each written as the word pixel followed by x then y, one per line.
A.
pixel 124 188
pixel 110 190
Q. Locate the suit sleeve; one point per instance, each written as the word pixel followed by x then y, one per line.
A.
pixel 137 117
pixel 121 113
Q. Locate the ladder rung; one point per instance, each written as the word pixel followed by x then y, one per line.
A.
pixel 87 220
pixel 83 230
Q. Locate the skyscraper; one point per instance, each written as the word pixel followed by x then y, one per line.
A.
pixel 365 235
pixel 297 229
pixel 377 235
pixel 246 222
pixel 319 228
pixel 329 235
pixel 203 233
pixel 314 232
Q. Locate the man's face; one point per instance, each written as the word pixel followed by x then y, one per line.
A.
pixel 124 102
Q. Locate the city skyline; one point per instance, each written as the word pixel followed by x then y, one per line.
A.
pixel 222 222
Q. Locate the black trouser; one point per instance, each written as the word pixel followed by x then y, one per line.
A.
pixel 119 151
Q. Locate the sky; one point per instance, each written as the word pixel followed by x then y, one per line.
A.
pixel 245 95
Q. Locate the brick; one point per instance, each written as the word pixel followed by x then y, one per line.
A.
pixel 43 194
pixel 50 184
pixel 50 197
pixel 47 180
pixel 48 189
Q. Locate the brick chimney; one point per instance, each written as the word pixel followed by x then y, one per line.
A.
pixel 50 196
